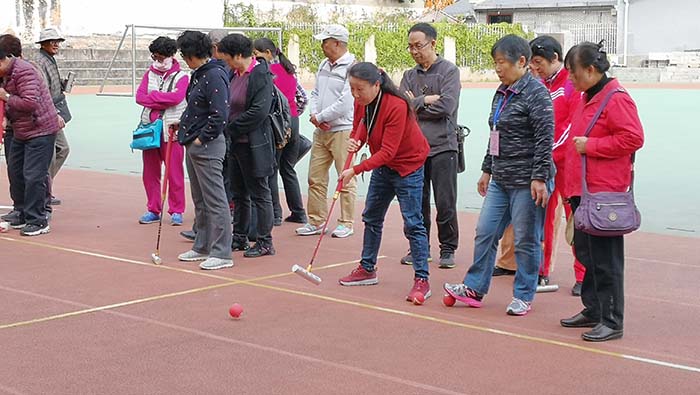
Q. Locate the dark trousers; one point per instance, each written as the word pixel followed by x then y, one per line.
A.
pixel 7 143
pixel 286 160
pixel 29 164
pixel 441 172
pixel 602 291
pixel 246 189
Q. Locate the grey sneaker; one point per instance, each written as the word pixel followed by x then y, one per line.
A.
pixel 309 230
pixel 213 263
pixel 518 307
pixel 447 260
pixel 408 259
pixel 192 256
pixel 342 231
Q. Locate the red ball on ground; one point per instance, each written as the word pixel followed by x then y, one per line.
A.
pixel 418 298
pixel 448 300
pixel 235 310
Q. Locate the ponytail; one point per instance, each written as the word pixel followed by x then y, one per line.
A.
pixel 265 44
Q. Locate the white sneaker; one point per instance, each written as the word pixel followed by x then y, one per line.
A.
pixel 518 307
pixel 213 263
pixel 192 256
pixel 342 232
pixel 309 230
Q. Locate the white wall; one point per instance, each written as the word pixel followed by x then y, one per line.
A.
pixel 663 26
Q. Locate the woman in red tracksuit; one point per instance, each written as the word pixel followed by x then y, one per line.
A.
pixel 547 63
pixel 609 149
pixel 384 120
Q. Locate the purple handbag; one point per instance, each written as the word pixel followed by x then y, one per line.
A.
pixel 606 213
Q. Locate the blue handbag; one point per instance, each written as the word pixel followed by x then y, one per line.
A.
pixel 148 136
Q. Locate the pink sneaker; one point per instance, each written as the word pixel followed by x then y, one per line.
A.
pixel 464 294
pixel 420 291
pixel 360 276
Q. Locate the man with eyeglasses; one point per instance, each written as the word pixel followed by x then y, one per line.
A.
pixel 433 87
pixel 50 41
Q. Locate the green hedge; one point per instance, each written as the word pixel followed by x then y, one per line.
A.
pixel 473 42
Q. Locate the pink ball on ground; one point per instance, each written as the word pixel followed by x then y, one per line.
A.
pixel 236 310
pixel 448 300
pixel 418 298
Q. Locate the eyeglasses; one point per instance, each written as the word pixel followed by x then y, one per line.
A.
pixel 417 47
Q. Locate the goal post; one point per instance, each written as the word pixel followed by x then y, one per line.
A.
pixel 133 29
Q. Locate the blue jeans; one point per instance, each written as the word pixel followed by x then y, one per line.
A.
pixel 501 207
pixel 383 186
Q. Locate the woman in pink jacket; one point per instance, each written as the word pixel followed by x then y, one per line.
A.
pixel 609 148
pixel 162 93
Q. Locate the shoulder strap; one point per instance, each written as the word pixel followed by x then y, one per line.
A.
pixel 588 131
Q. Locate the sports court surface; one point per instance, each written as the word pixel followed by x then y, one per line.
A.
pixel 82 310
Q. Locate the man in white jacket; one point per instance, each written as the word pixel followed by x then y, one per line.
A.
pixel 331 111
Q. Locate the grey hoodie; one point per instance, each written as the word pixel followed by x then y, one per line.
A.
pixel 331 100
pixel 439 120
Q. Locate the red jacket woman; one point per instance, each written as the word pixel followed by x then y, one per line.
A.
pixel 609 147
pixel 383 119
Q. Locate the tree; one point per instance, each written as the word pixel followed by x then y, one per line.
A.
pixel 437 4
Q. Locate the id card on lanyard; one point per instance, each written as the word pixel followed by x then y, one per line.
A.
pixel 494 137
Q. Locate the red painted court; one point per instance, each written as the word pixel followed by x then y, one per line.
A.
pixel 82 310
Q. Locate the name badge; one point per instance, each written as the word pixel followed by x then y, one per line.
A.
pixel 494 143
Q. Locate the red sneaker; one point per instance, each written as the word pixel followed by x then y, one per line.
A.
pixel 360 276
pixel 420 291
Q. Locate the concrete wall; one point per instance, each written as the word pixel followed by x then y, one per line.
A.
pixel 663 26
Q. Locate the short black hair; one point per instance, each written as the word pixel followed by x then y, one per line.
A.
pixel 236 44
pixel 194 44
pixel 165 46
pixel 3 54
pixel 425 28
pixel 11 45
pixel 512 47
pixel 587 54
pixel 546 47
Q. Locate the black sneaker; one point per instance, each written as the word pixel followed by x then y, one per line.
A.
pixel 297 219
pixel 499 271
pixel 35 230
pixel 259 250
pixel 12 215
pixel 238 244
pixel 576 290
pixel 277 221
pixel 188 234
pixel 408 259
pixel 447 260
pixel 17 223
pixel 55 201
pixel 542 280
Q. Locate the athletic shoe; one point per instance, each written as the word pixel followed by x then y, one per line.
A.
pixel 464 294
pixel 213 263
pixel 342 232
pixel 576 290
pixel 55 201
pixel 176 219
pixel 447 260
pixel 14 214
pixel 408 259
pixel 359 276
pixel 17 222
pixel 149 218
pixel 420 286
pixel 299 219
pixel 188 234
pixel 35 230
pixel 191 256
pixel 277 221
pixel 542 280
pixel 499 271
pixel 239 244
pixel 309 230
pixel 518 307
pixel 259 250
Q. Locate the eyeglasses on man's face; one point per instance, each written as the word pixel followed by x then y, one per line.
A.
pixel 417 47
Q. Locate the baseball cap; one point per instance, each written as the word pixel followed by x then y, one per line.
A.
pixel 337 32
pixel 50 33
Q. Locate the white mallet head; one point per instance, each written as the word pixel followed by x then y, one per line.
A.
pixel 156 259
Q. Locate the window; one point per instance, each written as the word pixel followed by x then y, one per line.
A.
pixel 498 18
